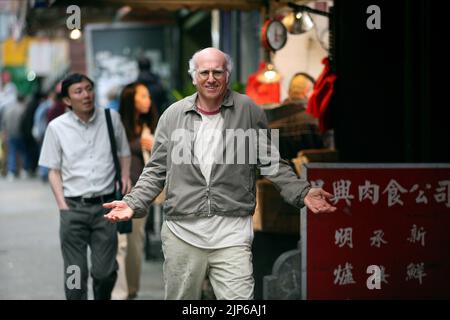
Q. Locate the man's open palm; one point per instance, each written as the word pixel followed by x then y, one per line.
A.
pixel 120 211
pixel 317 201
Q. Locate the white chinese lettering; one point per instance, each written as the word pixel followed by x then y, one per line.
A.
pixel 384 275
pixel 343 236
pixel 344 275
pixel 393 188
pixel 417 235
pixel 369 191
pixel 377 239
pixel 415 271
pixel 421 198
pixel 443 193
pixel 341 190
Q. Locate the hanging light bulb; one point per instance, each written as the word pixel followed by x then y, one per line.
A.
pixel 269 74
pixel 75 34
pixel 288 21
pixel 298 22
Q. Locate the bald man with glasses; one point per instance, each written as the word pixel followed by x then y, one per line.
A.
pixel 209 204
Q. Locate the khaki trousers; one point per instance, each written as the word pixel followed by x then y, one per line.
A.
pixel 129 258
pixel 230 270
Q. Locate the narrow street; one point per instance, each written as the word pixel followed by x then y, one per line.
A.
pixel 31 265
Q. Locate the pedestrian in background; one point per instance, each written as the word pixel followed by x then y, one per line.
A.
pixel 135 110
pixel 77 151
pixel 298 129
pixel 12 134
pixel 154 84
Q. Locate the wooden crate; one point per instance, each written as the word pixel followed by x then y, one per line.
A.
pixel 314 155
pixel 272 213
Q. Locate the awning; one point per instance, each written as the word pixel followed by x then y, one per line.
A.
pixel 172 5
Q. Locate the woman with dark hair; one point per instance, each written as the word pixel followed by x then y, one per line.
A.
pixel 135 110
pixel 139 120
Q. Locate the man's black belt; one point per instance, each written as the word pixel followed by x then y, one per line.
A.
pixel 94 200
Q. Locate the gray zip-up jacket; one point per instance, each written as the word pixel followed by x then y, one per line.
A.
pixel 231 190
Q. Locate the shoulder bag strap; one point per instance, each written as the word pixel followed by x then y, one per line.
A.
pixel 112 140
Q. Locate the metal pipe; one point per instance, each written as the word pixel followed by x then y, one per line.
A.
pixel 298 7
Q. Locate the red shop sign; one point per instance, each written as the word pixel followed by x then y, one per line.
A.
pixel 389 238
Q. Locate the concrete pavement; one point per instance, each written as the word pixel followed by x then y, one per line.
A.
pixel 31 265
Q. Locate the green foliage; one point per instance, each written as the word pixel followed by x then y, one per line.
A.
pixel 187 91
pixel 238 86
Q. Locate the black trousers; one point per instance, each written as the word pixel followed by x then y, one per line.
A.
pixel 81 226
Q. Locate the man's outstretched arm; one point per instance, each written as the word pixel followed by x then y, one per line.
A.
pixel 295 191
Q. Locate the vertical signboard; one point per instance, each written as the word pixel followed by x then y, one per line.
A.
pixel 389 238
pixel 112 51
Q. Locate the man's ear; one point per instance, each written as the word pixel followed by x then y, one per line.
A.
pixel 66 100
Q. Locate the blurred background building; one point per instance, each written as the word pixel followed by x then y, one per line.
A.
pixel 375 100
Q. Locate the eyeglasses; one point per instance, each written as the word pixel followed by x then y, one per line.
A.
pixel 217 74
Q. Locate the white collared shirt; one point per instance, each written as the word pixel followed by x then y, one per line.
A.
pixel 82 151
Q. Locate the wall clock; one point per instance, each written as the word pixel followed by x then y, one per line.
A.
pixel 273 35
